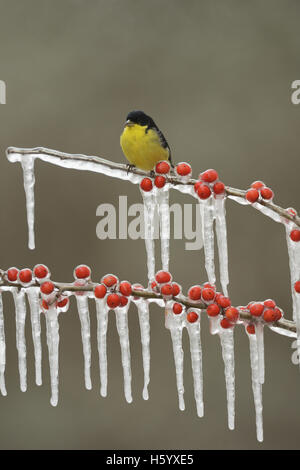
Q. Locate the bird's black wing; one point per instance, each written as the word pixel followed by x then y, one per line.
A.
pixel 162 139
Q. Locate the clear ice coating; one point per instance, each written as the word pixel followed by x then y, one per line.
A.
pixel 256 385
pixel 221 232
pixel 122 327
pixel 149 214
pixel 227 345
pixel 259 331
pixel 162 197
pixel 34 303
pixel 194 332
pixel 2 350
pixel 175 324
pixel 207 218
pixel 20 306
pixel 102 317
pixel 52 329
pixel 294 263
pixel 143 313
pixel 29 180
pixel 84 316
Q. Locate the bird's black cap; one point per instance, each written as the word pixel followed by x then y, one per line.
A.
pixel 139 117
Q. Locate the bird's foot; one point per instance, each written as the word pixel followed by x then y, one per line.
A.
pixel 129 167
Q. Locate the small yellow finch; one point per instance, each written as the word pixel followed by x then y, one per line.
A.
pixel 142 142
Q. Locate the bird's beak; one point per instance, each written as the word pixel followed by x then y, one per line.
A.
pixel 129 123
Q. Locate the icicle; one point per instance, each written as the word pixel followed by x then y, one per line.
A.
pixel 143 313
pixel 2 350
pixel 149 214
pixel 194 332
pixel 122 327
pixel 259 331
pixel 175 324
pixel 256 385
pixel 214 325
pixel 294 262
pixel 20 305
pixel 227 344
pixel 267 211
pixel 33 298
pixel 207 216
pixel 221 232
pixel 29 180
pixel 164 222
pixel 102 314
pixel 52 328
pixel 83 312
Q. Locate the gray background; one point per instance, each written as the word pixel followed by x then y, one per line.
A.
pixel 216 77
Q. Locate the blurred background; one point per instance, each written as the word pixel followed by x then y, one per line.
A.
pixel 216 77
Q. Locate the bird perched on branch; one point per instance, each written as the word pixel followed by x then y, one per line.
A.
pixel 142 142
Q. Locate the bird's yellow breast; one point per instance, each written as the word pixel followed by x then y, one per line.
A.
pixel 142 149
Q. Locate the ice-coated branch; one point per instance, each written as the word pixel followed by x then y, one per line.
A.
pixel 283 326
pixel 119 170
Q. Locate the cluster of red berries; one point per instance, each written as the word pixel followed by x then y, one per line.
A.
pixel 209 183
pixel 116 292
pixel 162 169
pixel 267 311
pixel 259 190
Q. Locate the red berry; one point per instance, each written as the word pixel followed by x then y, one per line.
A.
pixel 162 277
pixel 166 289
pixel 251 329
pixel 278 313
pixel 125 288
pixel 47 287
pixel 44 305
pixel 25 275
pixel 100 291
pixel 113 300
pixel 203 191
pixel 269 315
pixel 210 286
pixel 62 303
pixel 154 286
pixel 196 185
pixel 209 176
pixel 297 287
pixel 123 301
pixel 176 289
pixel 232 314
pixel 12 274
pixel 266 193
pixel 146 184
pixel 192 317
pixel 219 187
pixel 208 294
pixel 162 167
pixel 291 211
pixel 252 195
pixel 257 185
pixel 109 280
pixel 256 309
pixel 183 169
pixel 225 323
pixel 213 310
pixel 160 181
pixel 177 308
pixel 269 303
pixel 295 235
pixel 82 272
pixel 223 301
pixel 41 271
pixel 194 293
